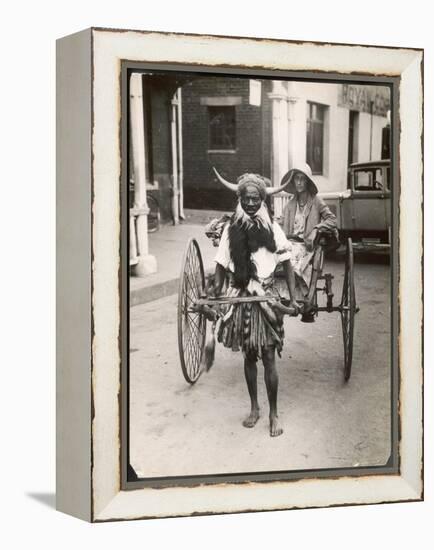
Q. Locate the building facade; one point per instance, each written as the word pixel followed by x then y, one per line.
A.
pixel 268 127
pixel 183 125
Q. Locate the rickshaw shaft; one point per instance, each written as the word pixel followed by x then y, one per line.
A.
pixel 232 300
pixel 206 304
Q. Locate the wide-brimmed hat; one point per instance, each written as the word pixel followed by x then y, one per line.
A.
pixel 288 179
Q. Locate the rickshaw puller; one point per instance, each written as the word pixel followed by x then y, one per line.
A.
pixel 251 247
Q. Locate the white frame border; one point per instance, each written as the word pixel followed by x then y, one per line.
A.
pixel 109 47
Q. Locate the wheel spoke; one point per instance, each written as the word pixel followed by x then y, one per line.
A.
pixel 194 322
pixel 190 350
pixel 190 285
pixel 194 330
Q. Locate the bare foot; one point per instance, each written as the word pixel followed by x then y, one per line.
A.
pixel 251 420
pixel 275 430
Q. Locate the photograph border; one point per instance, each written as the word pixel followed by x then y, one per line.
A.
pixel 392 465
pixel 89 483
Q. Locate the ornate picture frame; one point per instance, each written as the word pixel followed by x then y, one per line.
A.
pixel 92 482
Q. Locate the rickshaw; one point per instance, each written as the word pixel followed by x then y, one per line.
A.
pixel 195 309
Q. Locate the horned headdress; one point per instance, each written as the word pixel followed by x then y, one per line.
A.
pixel 263 184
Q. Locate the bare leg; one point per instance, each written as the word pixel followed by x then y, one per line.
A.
pixel 290 281
pixel 271 383
pixel 251 374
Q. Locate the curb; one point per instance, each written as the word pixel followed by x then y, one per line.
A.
pixel 164 289
pixel 147 294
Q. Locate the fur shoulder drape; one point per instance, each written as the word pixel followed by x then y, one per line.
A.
pixel 246 236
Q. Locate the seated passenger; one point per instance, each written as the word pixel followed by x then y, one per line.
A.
pixel 305 215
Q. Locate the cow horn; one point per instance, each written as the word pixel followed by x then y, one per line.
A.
pixel 274 190
pixel 228 184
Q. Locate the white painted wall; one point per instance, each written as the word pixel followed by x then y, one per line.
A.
pixel 336 130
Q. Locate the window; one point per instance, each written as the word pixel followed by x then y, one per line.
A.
pixel 222 130
pixel 368 180
pixel 353 137
pixel 315 137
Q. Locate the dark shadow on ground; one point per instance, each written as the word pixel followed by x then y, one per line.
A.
pixel 48 499
pixel 380 258
pixel 360 257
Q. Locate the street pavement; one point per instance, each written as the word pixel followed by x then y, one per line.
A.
pixel 178 429
pixel 168 246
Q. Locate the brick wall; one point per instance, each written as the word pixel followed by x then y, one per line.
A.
pixel 201 189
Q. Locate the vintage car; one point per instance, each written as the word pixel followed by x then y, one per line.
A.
pixel 363 210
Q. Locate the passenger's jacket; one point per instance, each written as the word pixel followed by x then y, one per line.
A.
pixel 318 215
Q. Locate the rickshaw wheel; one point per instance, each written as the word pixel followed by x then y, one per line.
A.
pixel 348 309
pixel 191 324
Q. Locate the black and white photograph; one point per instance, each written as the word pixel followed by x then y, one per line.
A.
pixel 217 317
pixel 261 295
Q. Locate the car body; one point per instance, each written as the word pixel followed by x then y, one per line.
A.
pixel 363 210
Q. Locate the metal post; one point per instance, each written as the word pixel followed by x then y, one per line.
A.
pixel 174 136
pixel 146 263
pixel 180 157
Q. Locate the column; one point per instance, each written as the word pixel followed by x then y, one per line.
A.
pixel 146 263
pixel 292 125
pixel 280 144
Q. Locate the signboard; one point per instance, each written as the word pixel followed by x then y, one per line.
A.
pixel 367 99
pixel 255 92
